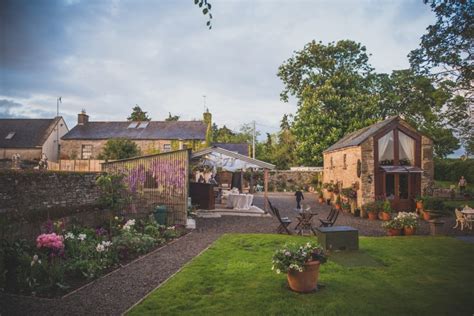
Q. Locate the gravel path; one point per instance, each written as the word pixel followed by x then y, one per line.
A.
pixel 116 292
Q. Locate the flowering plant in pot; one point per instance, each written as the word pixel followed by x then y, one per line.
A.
pixel 386 210
pixel 301 263
pixel 320 195
pixel 409 222
pixel 338 202
pixel 372 210
pixel 419 202
pixel 394 227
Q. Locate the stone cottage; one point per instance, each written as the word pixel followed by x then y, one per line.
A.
pixel 87 138
pixel 31 138
pixel 389 158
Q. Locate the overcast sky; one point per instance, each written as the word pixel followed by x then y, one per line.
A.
pixel 107 56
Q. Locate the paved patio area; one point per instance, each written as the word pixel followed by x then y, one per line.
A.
pixel 116 292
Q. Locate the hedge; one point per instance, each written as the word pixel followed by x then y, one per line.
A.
pixel 453 169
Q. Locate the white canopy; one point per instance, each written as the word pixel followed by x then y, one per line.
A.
pixel 217 157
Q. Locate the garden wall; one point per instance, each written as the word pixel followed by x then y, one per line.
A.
pixel 287 180
pixel 28 198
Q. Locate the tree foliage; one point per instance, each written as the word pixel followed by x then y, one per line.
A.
pixel 206 10
pixel 447 48
pixel 119 148
pixel 172 118
pixel 138 114
pixel 337 92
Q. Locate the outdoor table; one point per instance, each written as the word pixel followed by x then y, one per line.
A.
pixel 239 201
pixel 305 222
pixel 469 212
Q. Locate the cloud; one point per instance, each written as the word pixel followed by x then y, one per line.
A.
pixel 107 56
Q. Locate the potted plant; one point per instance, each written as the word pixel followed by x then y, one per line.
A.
pixel 394 227
pixel 301 263
pixel 419 203
pixel 338 202
pixel 320 196
pixel 430 206
pixel 386 210
pixel 409 221
pixel 372 210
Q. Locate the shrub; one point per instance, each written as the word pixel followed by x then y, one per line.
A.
pixel 453 169
pixel 433 204
pixel 112 190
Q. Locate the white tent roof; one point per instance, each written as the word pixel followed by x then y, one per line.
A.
pixel 229 160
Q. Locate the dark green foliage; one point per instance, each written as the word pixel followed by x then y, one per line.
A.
pixel 172 118
pixel 138 115
pixel 119 148
pixel 433 204
pixel 113 190
pixel 453 169
pixel 206 10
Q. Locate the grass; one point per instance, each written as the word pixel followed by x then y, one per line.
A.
pixel 447 184
pixel 413 276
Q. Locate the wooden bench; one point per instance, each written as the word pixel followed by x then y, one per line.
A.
pixel 338 238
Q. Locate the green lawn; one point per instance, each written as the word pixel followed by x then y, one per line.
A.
pixel 411 276
pixel 447 184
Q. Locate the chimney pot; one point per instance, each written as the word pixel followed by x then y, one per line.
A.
pixel 82 118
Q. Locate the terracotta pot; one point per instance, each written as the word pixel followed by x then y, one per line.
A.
pixel 394 232
pixel 385 216
pixel 321 200
pixel 305 281
pixel 408 231
pixel 338 206
pixel 419 205
pixel 426 216
pixel 372 216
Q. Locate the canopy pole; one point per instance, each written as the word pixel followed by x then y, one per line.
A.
pixel 252 191
pixel 265 185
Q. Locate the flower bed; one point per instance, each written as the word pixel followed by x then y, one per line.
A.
pixel 61 260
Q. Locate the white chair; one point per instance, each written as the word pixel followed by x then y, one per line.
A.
pixel 461 219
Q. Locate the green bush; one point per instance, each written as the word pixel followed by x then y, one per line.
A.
pixel 434 204
pixel 453 169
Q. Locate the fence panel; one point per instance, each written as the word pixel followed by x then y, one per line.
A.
pixel 76 165
pixel 161 179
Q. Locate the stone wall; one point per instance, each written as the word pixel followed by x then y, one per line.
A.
pixel 287 180
pixel 29 196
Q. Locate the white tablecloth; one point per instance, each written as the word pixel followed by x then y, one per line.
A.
pixel 239 201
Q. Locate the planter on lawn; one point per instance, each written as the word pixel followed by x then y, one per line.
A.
pixel 408 231
pixel 305 281
pixel 394 232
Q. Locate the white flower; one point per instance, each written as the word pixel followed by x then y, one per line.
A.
pixel 81 237
pixel 288 254
pixel 100 248
pixel 69 236
pixel 170 227
pixel 35 259
pixel 278 271
pixel 129 224
pixel 107 243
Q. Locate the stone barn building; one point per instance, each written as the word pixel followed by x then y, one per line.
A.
pixel 87 139
pixel 389 158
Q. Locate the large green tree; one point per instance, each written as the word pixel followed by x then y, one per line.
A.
pixel 119 148
pixel 138 114
pixel 334 88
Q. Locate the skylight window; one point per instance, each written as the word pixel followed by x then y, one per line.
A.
pixel 10 135
pixel 133 125
pixel 143 124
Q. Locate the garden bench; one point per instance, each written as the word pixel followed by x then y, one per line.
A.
pixel 338 238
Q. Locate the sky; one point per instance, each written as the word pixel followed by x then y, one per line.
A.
pixel 107 56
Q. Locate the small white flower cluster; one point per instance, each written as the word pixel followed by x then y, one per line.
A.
pixel 296 267
pixel 170 228
pixel 70 235
pixel 407 215
pixel 129 224
pixel 103 246
pixel 35 260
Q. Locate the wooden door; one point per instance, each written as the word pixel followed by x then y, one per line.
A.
pixel 400 189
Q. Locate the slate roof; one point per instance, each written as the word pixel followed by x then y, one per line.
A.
pixel 241 148
pixel 185 130
pixel 358 137
pixel 29 133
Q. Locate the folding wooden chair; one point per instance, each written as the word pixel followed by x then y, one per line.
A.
pixel 330 222
pixel 284 222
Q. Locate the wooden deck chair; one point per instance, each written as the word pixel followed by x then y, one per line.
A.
pixel 284 222
pixel 330 222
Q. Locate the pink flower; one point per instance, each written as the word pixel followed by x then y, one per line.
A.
pixel 50 241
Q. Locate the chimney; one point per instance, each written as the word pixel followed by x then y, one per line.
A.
pixel 82 118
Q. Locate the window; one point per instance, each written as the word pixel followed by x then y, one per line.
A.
pixel 406 149
pixel 403 186
pixel 86 152
pixel 143 124
pixel 332 164
pixel 133 125
pixel 390 186
pixel 166 147
pixel 344 158
pixel 10 135
pixel 386 153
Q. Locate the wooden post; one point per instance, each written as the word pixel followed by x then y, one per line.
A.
pixel 265 186
pixel 252 191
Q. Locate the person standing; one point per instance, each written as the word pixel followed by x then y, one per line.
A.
pixel 299 197
pixel 462 185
